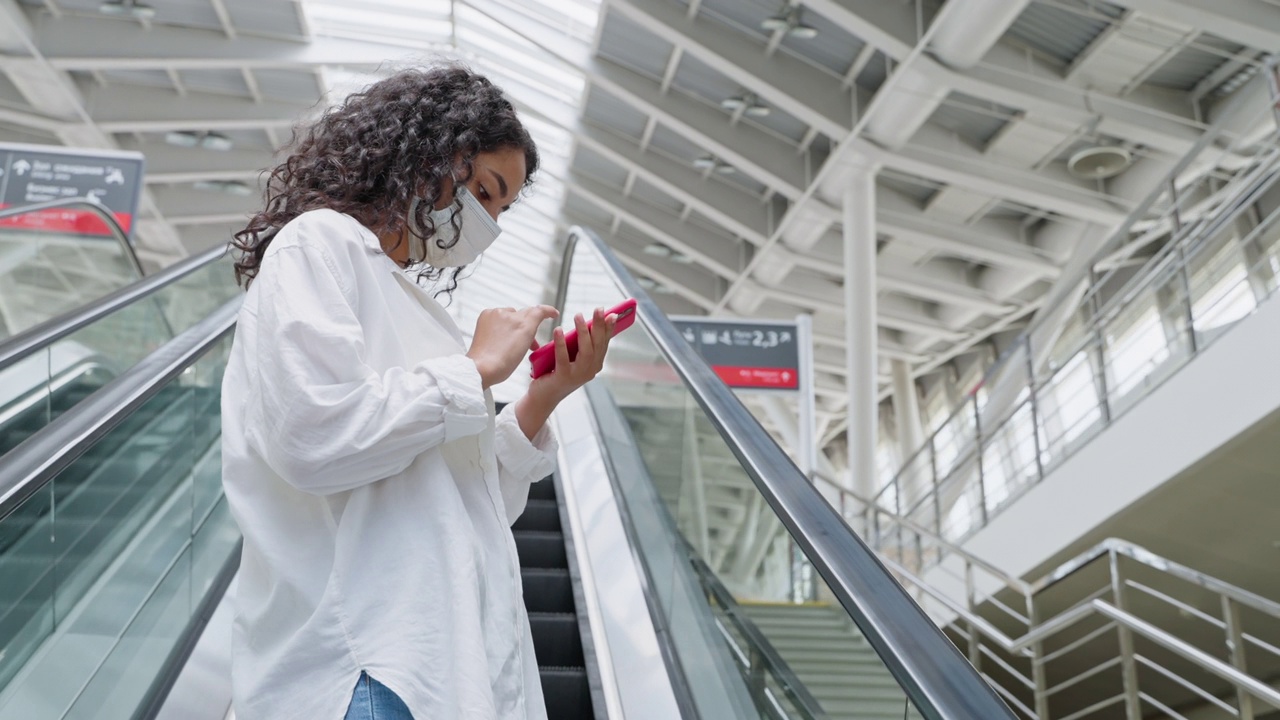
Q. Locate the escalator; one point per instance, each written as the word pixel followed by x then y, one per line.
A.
pixel 677 564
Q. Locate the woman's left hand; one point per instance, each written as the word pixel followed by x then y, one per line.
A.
pixel 546 391
pixel 593 343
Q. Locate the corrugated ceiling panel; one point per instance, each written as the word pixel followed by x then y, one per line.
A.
pixel 608 111
pixel 1061 29
pixel 975 121
pixel 1186 69
pixel 631 46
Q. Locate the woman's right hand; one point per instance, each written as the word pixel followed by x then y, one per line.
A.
pixel 503 336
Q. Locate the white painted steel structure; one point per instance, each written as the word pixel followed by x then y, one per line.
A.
pixel 651 117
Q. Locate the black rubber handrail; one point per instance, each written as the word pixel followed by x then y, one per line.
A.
pixel 37 460
pixel 37 338
pixel 936 678
pixel 113 225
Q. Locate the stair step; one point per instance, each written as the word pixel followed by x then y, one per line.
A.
pixel 851 687
pixel 567 693
pixel 544 489
pixel 542 515
pixel 547 590
pixel 834 634
pixel 556 641
pixel 537 549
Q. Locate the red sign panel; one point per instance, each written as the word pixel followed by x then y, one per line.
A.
pixel 65 220
pixel 749 377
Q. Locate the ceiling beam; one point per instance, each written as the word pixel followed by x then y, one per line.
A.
pixel 122 108
pixel 1047 189
pixel 1252 23
pixel 1011 78
pixel 714 252
pixel 80 43
pixel 750 150
pixel 786 82
pixel 985 241
pixel 732 208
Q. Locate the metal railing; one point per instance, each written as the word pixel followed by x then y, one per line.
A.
pixel 1117 625
pixel 757 659
pixel 1024 421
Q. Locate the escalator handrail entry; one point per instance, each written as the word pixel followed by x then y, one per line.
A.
pixel 37 338
pixel 84 203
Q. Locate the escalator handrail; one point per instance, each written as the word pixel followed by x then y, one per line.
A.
pixel 37 460
pixel 117 231
pixel 937 679
pixel 50 331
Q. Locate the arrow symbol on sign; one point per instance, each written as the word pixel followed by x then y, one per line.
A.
pixel 22 167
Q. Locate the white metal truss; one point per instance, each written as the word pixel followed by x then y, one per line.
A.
pixel 968 249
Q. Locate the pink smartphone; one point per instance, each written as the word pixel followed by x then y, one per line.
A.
pixel 543 359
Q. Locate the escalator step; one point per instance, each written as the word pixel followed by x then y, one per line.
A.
pixel 556 641
pixel 539 515
pixel 540 549
pixel 567 692
pixel 544 489
pixel 547 590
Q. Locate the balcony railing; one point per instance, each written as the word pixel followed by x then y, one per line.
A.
pixel 1040 404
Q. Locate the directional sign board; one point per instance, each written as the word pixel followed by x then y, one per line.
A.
pixel 754 354
pixel 31 174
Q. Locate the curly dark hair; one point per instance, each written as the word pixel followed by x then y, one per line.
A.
pixel 369 156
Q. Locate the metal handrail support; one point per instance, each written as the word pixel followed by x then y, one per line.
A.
pixel 39 337
pixel 760 645
pixel 37 460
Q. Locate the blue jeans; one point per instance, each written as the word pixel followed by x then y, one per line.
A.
pixel 372 700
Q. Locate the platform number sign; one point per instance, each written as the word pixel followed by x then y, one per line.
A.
pixel 750 354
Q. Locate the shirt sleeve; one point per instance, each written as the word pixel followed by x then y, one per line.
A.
pixel 323 418
pixel 521 462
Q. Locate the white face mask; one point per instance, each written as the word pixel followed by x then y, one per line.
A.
pixel 478 232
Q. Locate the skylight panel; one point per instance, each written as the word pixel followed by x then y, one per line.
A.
pixel 400 22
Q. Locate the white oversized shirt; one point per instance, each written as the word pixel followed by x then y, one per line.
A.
pixel 375 492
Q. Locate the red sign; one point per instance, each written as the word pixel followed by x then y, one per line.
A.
pixel 65 220
pixel 754 377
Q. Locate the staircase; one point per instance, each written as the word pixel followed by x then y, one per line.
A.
pixel 832 660
pixel 548 597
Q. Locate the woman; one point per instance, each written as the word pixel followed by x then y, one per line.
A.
pixel 361 458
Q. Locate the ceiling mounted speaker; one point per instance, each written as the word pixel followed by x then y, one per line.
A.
pixel 1096 163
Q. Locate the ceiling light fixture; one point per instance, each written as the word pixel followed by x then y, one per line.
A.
pixel 788 20
pixel 657 249
pixel 216 141
pixel 230 187
pixel 182 138
pixel 712 163
pixel 1099 162
pixel 206 140
pixel 127 8
pixel 779 21
pixel 748 103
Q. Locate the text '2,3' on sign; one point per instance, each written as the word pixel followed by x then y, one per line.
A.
pixel 747 354
pixel 33 174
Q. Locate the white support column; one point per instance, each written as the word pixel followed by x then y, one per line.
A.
pixel 859 227
pixel 906 409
